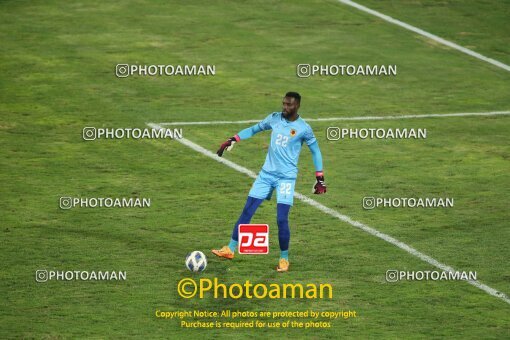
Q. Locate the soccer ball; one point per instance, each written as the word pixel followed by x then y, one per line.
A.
pixel 196 261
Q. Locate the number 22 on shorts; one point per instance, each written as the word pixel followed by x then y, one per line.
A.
pixel 285 188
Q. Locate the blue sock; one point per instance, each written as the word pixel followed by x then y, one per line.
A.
pixel 249 209
pixel 282 217
pixel 233 245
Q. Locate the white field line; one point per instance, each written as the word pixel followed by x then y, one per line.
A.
pixel 332 119
pixel 344 218
pixel 426 34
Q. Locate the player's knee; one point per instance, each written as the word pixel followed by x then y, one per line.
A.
pixel 282 221
pixel 246 212
pixel 251 206
pixel 283 227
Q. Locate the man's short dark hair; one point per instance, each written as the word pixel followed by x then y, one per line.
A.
pixel 294 95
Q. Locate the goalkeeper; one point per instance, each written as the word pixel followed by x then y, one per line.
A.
pixel 289 132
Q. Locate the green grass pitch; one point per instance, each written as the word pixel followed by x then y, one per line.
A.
pixel 57 61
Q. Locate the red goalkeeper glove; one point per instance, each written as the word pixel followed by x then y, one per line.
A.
pixel 229 144
pixel 320 185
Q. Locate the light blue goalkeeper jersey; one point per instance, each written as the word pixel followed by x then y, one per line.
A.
pixel 286 141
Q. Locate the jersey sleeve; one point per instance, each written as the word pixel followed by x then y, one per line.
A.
pixel 309 137
pixel 249 132
pixel 316 156
pixel 266 123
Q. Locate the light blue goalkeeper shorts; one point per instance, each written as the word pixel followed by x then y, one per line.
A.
pixel 265 183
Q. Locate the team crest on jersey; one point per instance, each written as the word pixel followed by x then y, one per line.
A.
pixel 292 132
